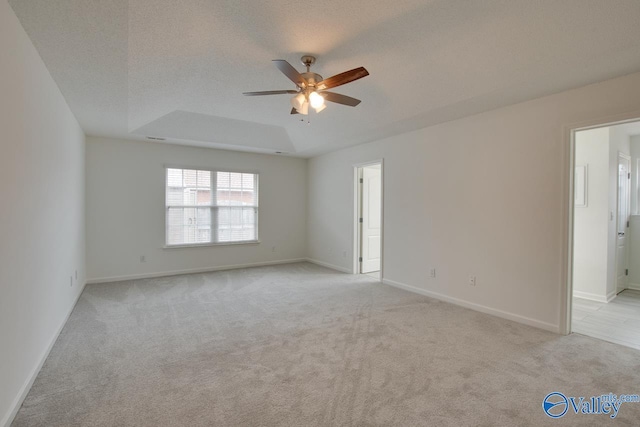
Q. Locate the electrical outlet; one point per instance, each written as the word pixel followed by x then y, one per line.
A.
pixel 143 258
pixel 273 248
pixel 344 254
pixel 71 281
pixel 432 273
pixel 472 280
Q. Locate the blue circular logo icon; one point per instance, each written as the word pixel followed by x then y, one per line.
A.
pixel 555 404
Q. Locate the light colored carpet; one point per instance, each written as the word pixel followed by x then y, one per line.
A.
pixel 301 345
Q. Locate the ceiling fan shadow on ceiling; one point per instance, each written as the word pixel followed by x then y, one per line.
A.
pixel 311 88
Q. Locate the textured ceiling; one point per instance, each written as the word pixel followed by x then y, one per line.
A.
pixel 177 69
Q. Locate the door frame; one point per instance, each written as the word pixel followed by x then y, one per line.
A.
pixel 357 197
pixel 568 208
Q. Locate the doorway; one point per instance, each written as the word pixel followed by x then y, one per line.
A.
pixel 604 301
pixel 369 219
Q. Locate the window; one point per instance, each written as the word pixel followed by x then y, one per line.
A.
pixel 204 207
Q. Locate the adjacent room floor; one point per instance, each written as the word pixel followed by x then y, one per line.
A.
pixel 617 321
pixel 302 345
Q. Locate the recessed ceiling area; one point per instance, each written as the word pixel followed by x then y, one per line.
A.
pixel 177 69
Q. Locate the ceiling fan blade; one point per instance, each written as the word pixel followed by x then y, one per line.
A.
pixel 270 92
pixel 294 111
pixel 288 70
pixel 340 99
pixel 343 78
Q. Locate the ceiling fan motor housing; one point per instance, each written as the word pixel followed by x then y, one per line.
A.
pixel 312 78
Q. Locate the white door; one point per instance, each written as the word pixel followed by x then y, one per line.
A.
pixel 624 180
pixel 371 218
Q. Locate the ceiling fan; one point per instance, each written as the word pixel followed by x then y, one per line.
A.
pixel 311 88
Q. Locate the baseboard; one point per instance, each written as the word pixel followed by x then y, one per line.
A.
pixel 634 286
pixel 17 403
pixel 477 307
pixel 190 271
pixel 331 266
pixel 595 297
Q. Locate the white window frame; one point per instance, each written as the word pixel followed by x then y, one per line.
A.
pixel 213 207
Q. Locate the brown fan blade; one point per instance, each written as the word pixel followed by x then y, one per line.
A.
pixel 270 92
pixel 340 99
pixel 288 70
pixel 294 111
pixel 343 78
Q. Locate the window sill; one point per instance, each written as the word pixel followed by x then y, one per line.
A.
pixel 204 245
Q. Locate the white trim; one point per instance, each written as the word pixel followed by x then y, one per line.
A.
pixel 331 266
pixel 190 271
pixel 633 286
pixel 595 297
pixel 356 223
pixel 210 168
pixel 26 387
pixel 204 245
pixel 369 163
pixel 567 209
pixel 477 307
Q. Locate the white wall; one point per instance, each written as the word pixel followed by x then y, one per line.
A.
pixel 591 223
pixel 634 253
pixel 484 195
pixel 126 219
pixel 42 214
pixel 634 250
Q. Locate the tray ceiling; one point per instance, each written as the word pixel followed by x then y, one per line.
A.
pixel 177 69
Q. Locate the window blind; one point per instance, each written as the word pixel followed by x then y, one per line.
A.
pixel 204 206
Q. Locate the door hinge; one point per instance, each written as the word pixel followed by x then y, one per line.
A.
pixel 360 221
pixel 628 175
pixel 626 272
pixel 360 259
pixel 361 180
pixel 627 224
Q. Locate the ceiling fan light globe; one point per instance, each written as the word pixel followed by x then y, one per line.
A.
pixel 316 100
pixel 298 101
pixel 304 108
pixel 320 108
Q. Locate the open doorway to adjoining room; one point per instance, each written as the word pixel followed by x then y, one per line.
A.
pixel 605 288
